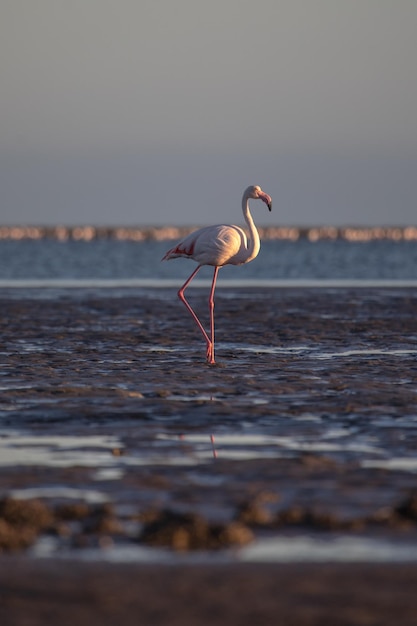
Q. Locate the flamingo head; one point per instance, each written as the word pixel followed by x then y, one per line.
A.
pixel 255 192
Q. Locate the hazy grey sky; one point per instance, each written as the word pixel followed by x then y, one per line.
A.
pixel 154 111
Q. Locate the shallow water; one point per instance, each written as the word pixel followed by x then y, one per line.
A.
pixel 105 397
pixel 109 259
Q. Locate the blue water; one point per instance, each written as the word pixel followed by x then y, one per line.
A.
pixel 278 259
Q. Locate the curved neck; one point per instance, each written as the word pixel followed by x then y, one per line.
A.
pixel 254 243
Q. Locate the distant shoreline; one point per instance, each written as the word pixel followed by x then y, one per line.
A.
pixel 165 233
pixel 115 285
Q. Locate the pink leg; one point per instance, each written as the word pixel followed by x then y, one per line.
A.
pixel 197 321
pixel 213 446
pixel 210 357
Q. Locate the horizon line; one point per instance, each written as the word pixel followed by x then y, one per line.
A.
pixel 170 232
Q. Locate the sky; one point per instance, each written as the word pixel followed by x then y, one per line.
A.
pixel 127 112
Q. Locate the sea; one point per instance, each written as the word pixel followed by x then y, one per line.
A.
pixel 308 418
pixel 279 261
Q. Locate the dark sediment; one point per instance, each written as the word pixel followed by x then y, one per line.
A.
pixel 327 377
pixel 39 593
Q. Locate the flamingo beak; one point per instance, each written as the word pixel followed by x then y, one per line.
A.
pixel 267 199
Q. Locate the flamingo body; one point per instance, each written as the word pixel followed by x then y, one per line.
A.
pixel 219 245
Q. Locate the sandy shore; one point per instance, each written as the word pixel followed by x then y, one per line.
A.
pixel 68 593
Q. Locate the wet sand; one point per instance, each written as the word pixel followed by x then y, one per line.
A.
pixel 312 405
pixel 86 594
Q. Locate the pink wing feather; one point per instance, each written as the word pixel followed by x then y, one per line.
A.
pixel 212 245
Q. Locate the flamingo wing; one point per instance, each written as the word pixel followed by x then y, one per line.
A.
pixel 212 245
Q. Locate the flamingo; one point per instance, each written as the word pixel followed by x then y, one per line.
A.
pixel 218 245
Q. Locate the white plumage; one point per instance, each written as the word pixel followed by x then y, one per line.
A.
pixel 222 244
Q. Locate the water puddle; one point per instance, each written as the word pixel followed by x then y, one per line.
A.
pixel 18 449
pixel 88 452
pixel 103 452
pixel 61 492
pixel 403 464
pixel 283 549
pixel 256 446
pixel 365 352
pixel 342 549
pixel 264 349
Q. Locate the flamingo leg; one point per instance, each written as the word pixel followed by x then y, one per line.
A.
pixel 210 355
pixel 181 296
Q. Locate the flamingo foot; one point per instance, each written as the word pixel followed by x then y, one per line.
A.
pixel 210 353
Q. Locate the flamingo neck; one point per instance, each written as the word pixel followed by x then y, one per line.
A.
pixel 254 243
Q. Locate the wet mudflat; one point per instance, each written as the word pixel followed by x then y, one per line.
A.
pixel 299 444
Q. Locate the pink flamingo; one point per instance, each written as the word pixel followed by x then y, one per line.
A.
pixel 219 245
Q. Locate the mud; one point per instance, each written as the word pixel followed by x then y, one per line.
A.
pixel 107 408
